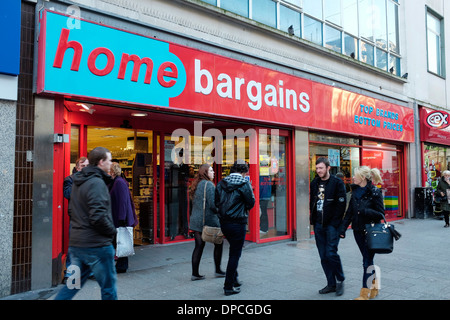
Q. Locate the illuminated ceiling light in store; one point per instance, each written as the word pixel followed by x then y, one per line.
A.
pixel 139 114
pixel 208 122
pixel 85 107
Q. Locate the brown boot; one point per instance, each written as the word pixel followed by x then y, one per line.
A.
pixel 364 294
pixel 374 289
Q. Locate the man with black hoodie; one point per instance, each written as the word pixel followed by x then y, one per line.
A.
pixel 92 233
pixel 234 198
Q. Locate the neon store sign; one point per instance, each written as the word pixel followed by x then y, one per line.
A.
pixel 98 62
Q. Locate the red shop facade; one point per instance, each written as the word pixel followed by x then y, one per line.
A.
pixel 435 144
pixel 163 109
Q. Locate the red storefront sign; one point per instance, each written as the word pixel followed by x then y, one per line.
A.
pixel 434 126
pixel 99 62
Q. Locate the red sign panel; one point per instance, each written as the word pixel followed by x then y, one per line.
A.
pixel 434 126
pixel 100 62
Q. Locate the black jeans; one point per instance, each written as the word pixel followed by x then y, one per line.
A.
pixel 446 214
pixel 327 241
pixel 235 235
pixel 368 266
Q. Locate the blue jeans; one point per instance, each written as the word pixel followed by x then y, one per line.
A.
pixel 367 257
pixel 235 235
pixel 327 241
pixel 100 261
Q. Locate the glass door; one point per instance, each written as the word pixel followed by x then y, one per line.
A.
pixel 388 160
pixel 273 182
pixel 133 150
pixel 240 145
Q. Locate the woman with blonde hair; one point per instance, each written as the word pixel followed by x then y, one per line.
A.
pixel 441 189
pixel 366 206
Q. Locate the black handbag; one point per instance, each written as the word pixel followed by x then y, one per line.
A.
pixel 438 198
pixel 380 237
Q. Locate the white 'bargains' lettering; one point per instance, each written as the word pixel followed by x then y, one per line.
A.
pixel 271 97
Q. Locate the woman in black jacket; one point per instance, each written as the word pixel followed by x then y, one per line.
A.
pixel 441 190
pixel 234 198
pixel 366 206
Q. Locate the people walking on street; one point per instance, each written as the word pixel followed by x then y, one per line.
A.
pixel 366 206
pixel 93 230
pixel 327 207
pixel 202 189
pixel 234 198
pixel 441 189
pixel 122 208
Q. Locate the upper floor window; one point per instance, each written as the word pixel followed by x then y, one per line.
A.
pixel 435 43
pixel 366 30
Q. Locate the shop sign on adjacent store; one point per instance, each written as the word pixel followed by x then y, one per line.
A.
pixel 434 126
pixel 98 62
pixel 10 37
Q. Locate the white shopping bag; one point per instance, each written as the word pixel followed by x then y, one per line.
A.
pixel 124 246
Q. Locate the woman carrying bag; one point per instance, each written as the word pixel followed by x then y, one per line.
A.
pixel 203 189
pixel 122 208
pixel 441 189
pixel 366 206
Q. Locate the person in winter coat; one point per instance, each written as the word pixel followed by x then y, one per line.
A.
pixel 441 189
pixel 122 207
pixel 67 189
pixel 203 188
pixel 327 207
pixel 234 198
pixel 93 230
pixel 366 206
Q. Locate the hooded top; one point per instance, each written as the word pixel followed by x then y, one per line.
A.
pixel 234 198
pixel 90 209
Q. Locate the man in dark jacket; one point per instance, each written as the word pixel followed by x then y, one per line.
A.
pixel 67 189
pixel 92 233
pixel 327 207
pixel 234 198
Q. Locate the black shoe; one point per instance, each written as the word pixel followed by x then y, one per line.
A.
pixel 220 274
pixel 327 289
pixel 237 283
pixel 194 278
pixel 229 292
pixel 340 288
pixel 446 226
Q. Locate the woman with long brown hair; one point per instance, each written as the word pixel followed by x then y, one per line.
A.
pixel 201 188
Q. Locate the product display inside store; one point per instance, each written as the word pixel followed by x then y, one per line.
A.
pixel 132 149
pixel 138 153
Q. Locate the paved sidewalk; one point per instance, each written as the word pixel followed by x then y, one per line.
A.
pixel 418 269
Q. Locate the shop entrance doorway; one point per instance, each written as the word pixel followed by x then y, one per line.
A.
pixel 160 154
pixel 347 153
